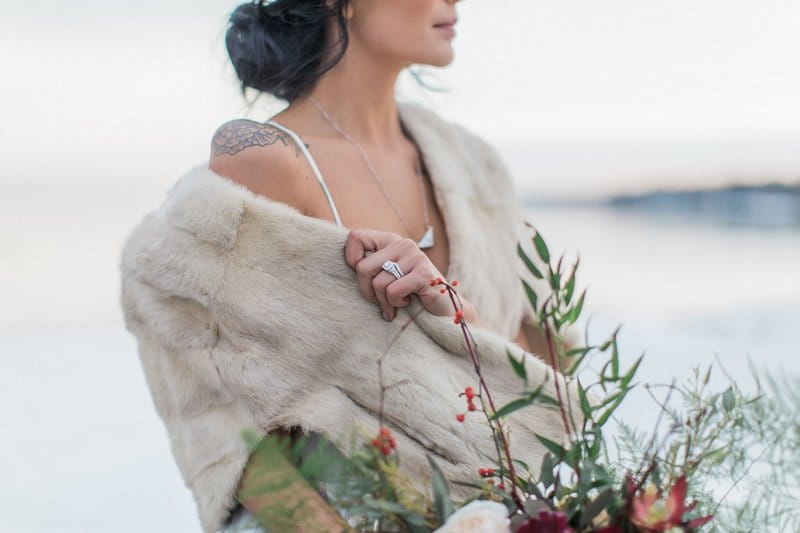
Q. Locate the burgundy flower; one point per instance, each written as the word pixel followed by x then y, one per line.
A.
pixel 546 522
pixel 652 513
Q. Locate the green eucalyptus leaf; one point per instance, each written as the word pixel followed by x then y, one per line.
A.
pixel 546 399
pixel 523 484
pixel 251 438
pixel 470 484
pixel 614 358
pixel 608 412
pixel 612 397
pixel 528 263
pixel 518 366
pixel 728 400
pixel 441 493
pixel 594 449
pixel 512 406
pixel 628 377
pixel 575 312
pixel 585 407
pixel 555 280
pixel 554 447
pixel 414 521
pixel 541 247
pixel 523 464
pixel 570 286
pixel 532 298
pixel 595 507
pixel 546 474
pixel 582 351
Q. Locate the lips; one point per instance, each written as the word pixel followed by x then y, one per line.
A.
pixel 451 22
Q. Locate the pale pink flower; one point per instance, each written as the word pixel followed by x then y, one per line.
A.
pixel 479 516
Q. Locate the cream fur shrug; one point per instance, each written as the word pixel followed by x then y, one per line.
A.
pixel 247 316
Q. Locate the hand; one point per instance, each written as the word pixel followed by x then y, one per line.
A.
pixel 383 288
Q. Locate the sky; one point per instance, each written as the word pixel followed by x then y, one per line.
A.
pixel 580 97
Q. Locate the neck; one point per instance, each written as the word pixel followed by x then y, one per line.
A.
pixel 359 95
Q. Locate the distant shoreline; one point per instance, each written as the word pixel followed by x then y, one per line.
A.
pixel 770 205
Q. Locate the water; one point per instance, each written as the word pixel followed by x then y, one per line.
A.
pixel 85 450
pixel 687 292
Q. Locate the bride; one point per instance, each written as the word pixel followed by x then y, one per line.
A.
pixel 421 198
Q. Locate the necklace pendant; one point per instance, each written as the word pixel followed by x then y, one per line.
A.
pixel 427 240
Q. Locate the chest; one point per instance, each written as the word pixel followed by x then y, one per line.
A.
pixel 394 204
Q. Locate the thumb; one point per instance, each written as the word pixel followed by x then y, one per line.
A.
pixel 435 301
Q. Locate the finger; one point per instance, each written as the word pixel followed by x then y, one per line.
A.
pixel 416 281
pixel 397 294
pixel 393 251
pixel 379 284
pixel 365 274
pixel 369 267
pixel 398 291
pixel 394 291
pixel 361 240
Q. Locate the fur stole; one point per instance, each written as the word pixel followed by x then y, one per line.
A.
pixel 246 316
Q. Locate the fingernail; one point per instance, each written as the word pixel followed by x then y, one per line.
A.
pixel 385 316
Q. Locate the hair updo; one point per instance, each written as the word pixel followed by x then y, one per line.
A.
pixel 279 47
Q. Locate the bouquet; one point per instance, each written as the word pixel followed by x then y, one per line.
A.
pixel 597 482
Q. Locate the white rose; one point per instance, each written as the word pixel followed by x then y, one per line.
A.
pixel 479 516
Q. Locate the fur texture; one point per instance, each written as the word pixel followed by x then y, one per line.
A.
pixel 246 316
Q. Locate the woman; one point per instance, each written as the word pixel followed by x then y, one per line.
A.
pixel 367 44
pixel 343 151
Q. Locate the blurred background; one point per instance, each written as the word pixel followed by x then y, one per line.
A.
pixel 658 140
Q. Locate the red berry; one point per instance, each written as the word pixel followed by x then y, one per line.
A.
pixel 486 472
pixel 501 486
pixel 442 290
pixel 454 283
pixel 471 406
pixel 470 393
pixel 460 417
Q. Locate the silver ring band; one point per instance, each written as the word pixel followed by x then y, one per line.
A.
pixel 393 268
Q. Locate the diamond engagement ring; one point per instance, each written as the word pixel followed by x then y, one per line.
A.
pixel 393 268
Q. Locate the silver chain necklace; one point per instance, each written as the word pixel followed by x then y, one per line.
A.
pixel 427 240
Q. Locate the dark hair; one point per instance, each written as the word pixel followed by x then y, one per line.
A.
pixel 278 47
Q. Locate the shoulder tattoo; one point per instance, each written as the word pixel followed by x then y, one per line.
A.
pixel 241 134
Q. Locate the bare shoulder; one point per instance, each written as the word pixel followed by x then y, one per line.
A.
pixel 262 158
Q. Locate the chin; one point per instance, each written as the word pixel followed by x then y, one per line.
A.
pixel 441 59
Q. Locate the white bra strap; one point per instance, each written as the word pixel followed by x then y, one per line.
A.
pixel 314 167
